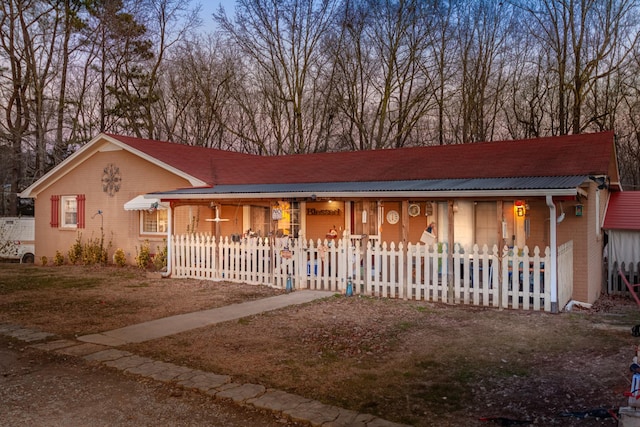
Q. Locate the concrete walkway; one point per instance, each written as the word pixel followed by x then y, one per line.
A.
pixel 184 322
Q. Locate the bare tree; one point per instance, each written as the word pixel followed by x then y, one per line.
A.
pixel 71 24
pixel 384 84
pixel 483 29
pixel 442 51
pixel 168 23
pixel 281 41
pixel 196 97
pixel 586 42
pixel 15 86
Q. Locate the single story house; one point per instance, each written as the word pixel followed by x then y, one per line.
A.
pixel 542 193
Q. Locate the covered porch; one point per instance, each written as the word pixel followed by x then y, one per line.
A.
pixel 504 251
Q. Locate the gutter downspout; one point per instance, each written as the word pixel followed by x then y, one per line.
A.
pixel 554 253
pixel 598 227
pixel 169 232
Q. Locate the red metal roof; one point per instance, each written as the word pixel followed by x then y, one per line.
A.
pixel 584 154
pixel 623 211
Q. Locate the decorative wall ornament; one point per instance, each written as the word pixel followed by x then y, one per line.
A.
pixel 111 179
pixel 414 209
pixel 393 217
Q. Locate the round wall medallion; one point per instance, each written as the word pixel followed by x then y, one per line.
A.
pixel 393 217
pixel 414 209
pixel 111 179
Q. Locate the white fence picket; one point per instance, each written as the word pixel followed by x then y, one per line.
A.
pixel 511 278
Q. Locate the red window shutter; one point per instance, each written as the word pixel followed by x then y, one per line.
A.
pixel 55 211
pixel 80 198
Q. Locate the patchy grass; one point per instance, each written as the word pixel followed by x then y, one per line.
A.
pixel 29 278
pixel 412 362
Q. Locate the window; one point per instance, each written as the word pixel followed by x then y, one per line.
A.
pixel 69 206
pixel 288 216
pixel 154 222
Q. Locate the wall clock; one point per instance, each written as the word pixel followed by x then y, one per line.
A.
pixel 393 217
pixel 111 179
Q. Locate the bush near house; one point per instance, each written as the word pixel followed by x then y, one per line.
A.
pixel 94 251
pixel 146 260
pixel 119 258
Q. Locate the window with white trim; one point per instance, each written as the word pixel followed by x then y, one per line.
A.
pixel 154 222
pixel 69 207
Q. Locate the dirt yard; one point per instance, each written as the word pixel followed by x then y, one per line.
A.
pixel 413 362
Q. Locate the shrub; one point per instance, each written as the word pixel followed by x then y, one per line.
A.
pixel 58 259
pixel 119 258
pixel 143 256
pixel 44 261
pixel 93 252
pixel 75 253
pixel 160 258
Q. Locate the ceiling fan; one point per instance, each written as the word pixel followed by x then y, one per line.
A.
pixel 217 218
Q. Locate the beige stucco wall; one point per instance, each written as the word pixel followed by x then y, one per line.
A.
pixel 594 243
pixel 121 228
pixel 587 243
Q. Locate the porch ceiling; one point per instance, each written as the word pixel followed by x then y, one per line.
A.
pixel 513 186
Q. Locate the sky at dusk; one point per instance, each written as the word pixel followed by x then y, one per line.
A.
pixel 210 6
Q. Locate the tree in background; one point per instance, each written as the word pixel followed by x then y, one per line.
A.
pixel 15 88
pixel 298 76
pixel 281 41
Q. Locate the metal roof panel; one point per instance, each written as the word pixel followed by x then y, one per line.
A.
pixel 623 211
pixel 474 184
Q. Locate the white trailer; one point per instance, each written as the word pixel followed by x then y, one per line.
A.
pixel 17 239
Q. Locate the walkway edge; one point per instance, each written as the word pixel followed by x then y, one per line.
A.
pixel 295 407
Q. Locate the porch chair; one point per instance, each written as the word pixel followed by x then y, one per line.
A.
pixel 630 287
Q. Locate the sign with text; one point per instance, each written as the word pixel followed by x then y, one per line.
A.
pixel 313 211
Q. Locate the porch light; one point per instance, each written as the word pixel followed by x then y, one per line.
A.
pixel 520 208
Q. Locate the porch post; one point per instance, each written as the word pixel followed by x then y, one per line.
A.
pixel 497 267
pixel 404 286
pixel 169 240
pixel 554 254
pixel 450 244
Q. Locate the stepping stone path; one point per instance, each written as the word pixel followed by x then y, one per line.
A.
pixel 292 406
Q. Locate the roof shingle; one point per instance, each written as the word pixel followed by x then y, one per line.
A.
pixel 571 155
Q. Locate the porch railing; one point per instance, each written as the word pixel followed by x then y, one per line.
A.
pixel 508 278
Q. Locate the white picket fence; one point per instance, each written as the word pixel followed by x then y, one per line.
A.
pixel 511 278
